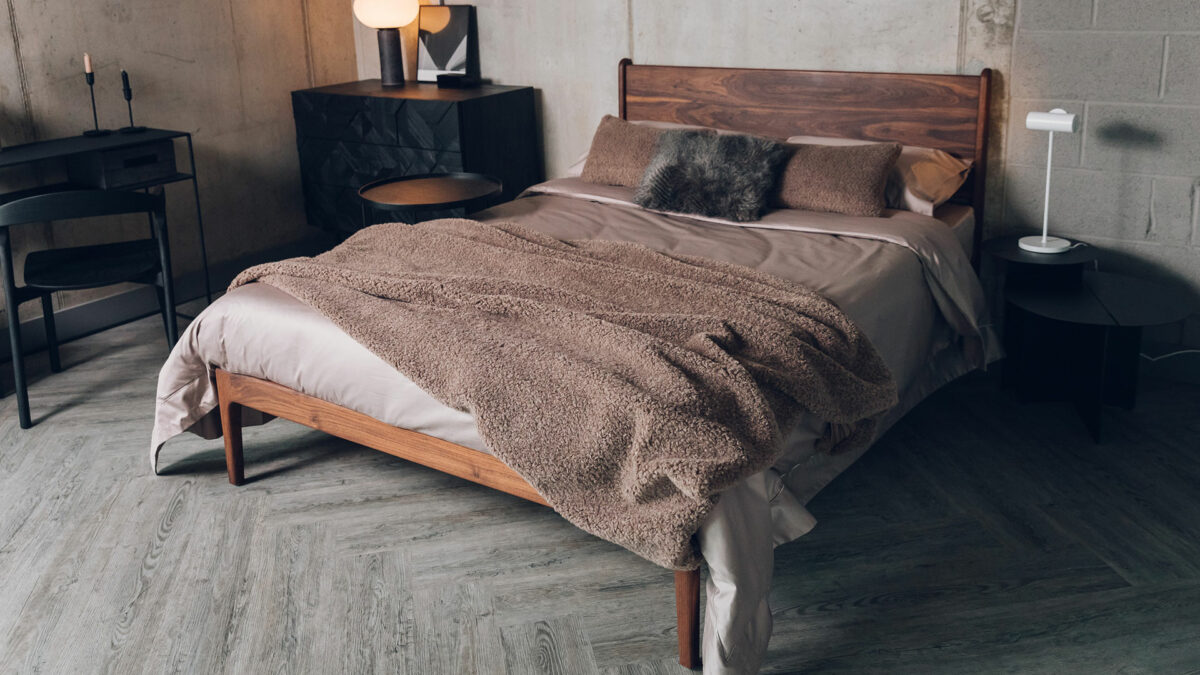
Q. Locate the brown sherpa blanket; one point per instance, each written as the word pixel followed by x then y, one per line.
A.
pixel 628 386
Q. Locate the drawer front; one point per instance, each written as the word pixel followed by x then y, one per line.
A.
pixel 121 167
pixel 429 125
pixel 351 118
pixel 356 164
pixel 331 207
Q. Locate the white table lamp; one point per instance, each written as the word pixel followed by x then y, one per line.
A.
pixel 1061 121
pixel 388 16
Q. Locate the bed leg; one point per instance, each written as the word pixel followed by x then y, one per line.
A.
pixel 687 613
pixel 231 429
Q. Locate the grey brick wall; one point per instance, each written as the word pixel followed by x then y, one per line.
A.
pixel 1130 181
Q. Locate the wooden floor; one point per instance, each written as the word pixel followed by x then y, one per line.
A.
pixel 979 536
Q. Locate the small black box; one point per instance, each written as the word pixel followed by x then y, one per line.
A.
pixel 456 81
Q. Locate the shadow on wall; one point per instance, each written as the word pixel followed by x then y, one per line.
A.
pixel 1130 137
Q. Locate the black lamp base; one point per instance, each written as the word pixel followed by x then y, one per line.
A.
pixel 391 58
pixel 131 130
pixel 97 132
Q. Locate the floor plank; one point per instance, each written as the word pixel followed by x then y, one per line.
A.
pixel 979 535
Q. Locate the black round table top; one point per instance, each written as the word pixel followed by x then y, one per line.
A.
pixel 432 191
pixel 1107 299
pixel 1006 248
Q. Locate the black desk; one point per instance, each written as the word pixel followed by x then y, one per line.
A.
pixel 66 149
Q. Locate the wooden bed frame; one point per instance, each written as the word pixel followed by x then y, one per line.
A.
pixel 948 112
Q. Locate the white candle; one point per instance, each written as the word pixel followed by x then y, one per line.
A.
pixel 87 62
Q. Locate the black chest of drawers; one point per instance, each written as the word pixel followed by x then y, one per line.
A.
pixel 354 133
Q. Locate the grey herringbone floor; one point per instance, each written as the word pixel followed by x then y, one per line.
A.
pixel 979 536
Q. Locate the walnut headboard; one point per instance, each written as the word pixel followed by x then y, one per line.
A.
pixel 947 112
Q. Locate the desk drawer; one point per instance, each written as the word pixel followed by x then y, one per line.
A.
pixel 122 167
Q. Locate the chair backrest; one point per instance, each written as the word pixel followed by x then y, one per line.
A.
pixel 78 204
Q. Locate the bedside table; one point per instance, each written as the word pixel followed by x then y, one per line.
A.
pixel 356 133
pixel 1082 343
pixel 1024 269
pixel 413 196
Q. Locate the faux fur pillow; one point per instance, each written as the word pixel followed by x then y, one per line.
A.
pixel 620 152
pixel 722 176
pixel 847 179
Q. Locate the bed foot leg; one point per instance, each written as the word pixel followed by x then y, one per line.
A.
pixel 231 429
pixel 687 613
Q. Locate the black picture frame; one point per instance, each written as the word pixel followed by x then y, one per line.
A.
pixel 447 42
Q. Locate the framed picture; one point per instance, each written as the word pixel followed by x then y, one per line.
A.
pixel 446 42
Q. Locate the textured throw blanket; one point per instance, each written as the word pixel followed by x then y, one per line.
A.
pixel 628 386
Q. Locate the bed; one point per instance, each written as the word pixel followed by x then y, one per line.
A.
pixel 911 288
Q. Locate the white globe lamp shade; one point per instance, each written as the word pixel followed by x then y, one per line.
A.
pixel 386 13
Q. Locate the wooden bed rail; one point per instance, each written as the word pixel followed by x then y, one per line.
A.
pixel 237 391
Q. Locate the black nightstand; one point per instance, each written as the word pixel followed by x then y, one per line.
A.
pixel 1024 269
pixel 1075 335
pixel 356 133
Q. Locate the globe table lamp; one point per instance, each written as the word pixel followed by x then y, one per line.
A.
pixel 1060 121
pixel 388 16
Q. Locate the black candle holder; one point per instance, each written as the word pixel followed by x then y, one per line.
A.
pixel 96 130
pixel 128 92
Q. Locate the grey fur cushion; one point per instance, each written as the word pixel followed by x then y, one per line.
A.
pixel 724 176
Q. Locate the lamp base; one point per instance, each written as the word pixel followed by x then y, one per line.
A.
pixel 1036 244
pixel 391 58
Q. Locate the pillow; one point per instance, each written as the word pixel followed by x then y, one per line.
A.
pixel 724 176
pixel 846 179
pixel 924 178
pixel 576 169
pixel 620 152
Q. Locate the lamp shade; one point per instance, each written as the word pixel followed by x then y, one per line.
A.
pixel 386 13
pixel 1057 120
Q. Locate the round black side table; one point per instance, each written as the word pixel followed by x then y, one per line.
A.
pixel 1082 344
pixel 410 197
pixel 1024 269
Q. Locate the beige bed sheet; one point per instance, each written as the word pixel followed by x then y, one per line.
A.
pixel 899 295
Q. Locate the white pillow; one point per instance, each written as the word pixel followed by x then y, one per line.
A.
pixel 924 178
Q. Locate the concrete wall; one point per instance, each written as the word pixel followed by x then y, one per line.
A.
pixel 569 50
pixel 1128 182
pixel 220 70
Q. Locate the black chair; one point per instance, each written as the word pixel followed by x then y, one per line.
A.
pixel 145 261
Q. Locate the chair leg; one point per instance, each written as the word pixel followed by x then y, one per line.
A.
pixel 163 312
pixel 231 429
pixel 687 614
pixel 168 281
pixel 51 332
pixel 14 329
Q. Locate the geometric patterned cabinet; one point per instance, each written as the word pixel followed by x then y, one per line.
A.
pixel 351 134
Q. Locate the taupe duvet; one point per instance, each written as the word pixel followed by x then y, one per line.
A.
pixel 904 280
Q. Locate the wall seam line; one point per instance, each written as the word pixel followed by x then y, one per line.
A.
pixel 1162 75
pixel 308 57
pixel 629 27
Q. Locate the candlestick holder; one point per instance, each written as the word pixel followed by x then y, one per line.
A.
pixel 96 130
pixel 127 91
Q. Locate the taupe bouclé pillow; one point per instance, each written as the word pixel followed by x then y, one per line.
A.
pixel 848 179
pixel 620 152
pixel 723 176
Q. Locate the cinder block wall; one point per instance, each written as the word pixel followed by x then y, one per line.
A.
pixel 1128 182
